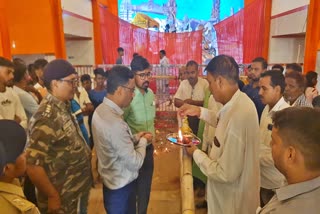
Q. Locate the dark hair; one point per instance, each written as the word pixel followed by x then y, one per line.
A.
pixel 5 62
pixel 299 126
pixel 192 62
pixel 31 68
pixel 263 62
pixel 277 79
pixel 278 66
pixel 18 61
pixel 294 67
pixel 40 64
pixel 316 101
pixel 139 63
pixel 85 77
pixel 134 55
pixel 20 71
pixel 224 66
pixel 300 79
pixel 163 52
pixel 118 75
pixel 310 76
pixel 98 71
pixel 119 49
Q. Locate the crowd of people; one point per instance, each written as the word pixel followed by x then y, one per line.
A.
pixel 260 150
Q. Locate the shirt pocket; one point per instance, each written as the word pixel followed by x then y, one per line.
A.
pixel 144 111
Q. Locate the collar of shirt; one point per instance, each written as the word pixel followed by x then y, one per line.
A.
pixel 137 92
pixel 300 101
pixel 65 106
pixel 293 190
pixel 12 188
pixel 278 106
pixel 17 89
pixel 229 104
pixel 113 106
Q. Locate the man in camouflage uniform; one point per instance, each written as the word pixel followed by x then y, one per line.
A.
pixel 58 157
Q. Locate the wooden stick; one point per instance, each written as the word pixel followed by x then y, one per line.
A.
pixel 186 182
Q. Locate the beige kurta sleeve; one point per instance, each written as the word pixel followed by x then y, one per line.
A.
pixel 209 116
pixel 229 166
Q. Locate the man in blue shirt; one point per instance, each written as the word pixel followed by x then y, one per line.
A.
pixel 258 66
pixel 97 94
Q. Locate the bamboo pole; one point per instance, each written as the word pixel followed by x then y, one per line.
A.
pixel 186 182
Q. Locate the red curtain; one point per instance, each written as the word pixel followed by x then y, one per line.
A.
pixel 180 47
pixel 242 35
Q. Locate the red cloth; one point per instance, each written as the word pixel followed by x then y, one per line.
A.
pixel 180 47
pixel 242 35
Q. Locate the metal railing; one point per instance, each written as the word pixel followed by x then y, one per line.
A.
pixel 164 81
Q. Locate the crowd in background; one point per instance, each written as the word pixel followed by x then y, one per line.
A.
pixel 260 141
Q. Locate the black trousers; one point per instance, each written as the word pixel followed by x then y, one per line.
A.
pixel 144 181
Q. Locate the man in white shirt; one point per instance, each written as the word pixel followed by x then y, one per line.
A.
pixel 232 167
pixel 164 61
pixel 191 91
pixel 163 83
pixel 20 80
pixel 272 85
pixel 81 96
pixel 120 153
pixel 10 105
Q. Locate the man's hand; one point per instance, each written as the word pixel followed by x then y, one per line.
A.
pixel 311 93
pixel 190 149
pixel 188 101
pixel 190 110
pixel 148 136
pixel 54 204
pixel 140 134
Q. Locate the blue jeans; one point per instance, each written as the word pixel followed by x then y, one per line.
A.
pixel 144 181
pixel 120 201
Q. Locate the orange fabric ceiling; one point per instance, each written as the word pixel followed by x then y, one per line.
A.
pixel 30 26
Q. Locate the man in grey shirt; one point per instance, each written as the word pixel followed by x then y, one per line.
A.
pixel 120 153
pixel 295 150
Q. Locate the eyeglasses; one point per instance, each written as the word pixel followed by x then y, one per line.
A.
pixel 73 82
pixel 144 75
pixel 131 89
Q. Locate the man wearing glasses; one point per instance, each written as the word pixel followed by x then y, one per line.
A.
pixel 120 153
pixel 140 117
pixel 58 158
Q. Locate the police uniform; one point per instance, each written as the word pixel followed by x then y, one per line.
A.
pixel 13 201
pixel 57 145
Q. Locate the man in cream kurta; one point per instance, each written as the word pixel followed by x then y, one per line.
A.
pixel 209 130
pixel 272 85
pixel 271 178
pixel 232 167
